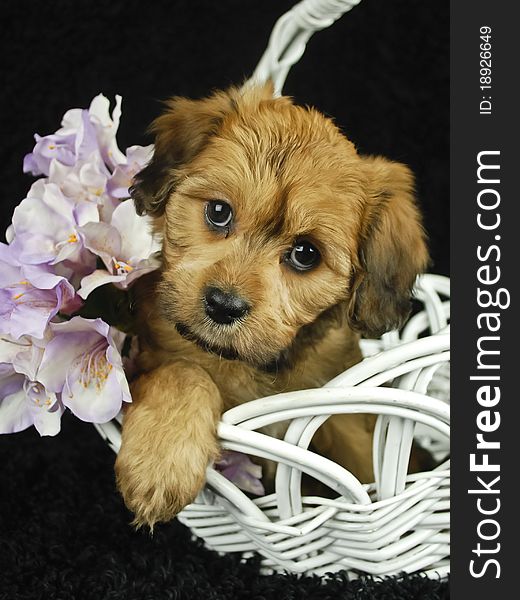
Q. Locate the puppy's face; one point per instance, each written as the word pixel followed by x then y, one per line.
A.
pixel 270 219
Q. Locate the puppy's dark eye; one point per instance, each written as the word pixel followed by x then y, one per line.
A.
pixel 218 213
pixel 303 256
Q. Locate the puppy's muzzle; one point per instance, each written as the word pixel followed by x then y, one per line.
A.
pixel 224 307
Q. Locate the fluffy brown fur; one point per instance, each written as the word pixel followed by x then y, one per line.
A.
pixel 289 174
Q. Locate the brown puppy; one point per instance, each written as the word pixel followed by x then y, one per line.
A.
pixel 281 245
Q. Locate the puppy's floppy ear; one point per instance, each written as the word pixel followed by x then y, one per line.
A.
pixel 392 250
pixel 180 133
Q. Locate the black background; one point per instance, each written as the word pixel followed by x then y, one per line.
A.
pixel 382 72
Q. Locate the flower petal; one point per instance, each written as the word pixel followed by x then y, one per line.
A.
pixel 106 128
pixel 137 241
pixel 239 468
pixel 102 239
pixel 72 340
pixel 86 141
pixel 94 403
pixel 47 418
pixel 95 280
pixel 30 314
pixel 14 415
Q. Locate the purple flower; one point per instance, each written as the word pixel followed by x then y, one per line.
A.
pixel 59 147
pixel 126 247
pixel 13 414
pixel 137 157
pixel 104 124
pixel 30 297
pixel 84 182
pixel 83 133
pixel 45 228
pixel 238 468
pixel 24 403
pixel 65 146
pixel 23 400
pixel 71 218
pixel 82 363
pixel 106 127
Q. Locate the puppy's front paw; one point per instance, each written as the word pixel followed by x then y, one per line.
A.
pixel 156 488
pixel 167 441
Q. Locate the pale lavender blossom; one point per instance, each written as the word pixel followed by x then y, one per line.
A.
pixel 83 363
pixel 126 247
pixel 30 297
pixel 137 157
pixel 13 414
pixel 83 132
pixel 105 126
pixel 47 148
pixel 23 400
pixel 65 147
pixel 45 228
pixel 85 183
pixel 71 219
pixel 238 468
pixel 24 403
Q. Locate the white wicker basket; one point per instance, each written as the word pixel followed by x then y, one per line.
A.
pixel 400 522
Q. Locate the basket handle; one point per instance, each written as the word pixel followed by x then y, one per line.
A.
pixel 290 35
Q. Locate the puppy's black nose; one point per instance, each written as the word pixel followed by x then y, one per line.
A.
pixel 224 307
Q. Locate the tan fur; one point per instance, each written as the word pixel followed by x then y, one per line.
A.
pixel 171 424
pixel 288 173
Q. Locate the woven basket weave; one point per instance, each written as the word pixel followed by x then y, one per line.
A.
pixel 398 523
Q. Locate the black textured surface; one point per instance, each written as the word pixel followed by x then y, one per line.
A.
pixel 65 534
pixel 382 72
